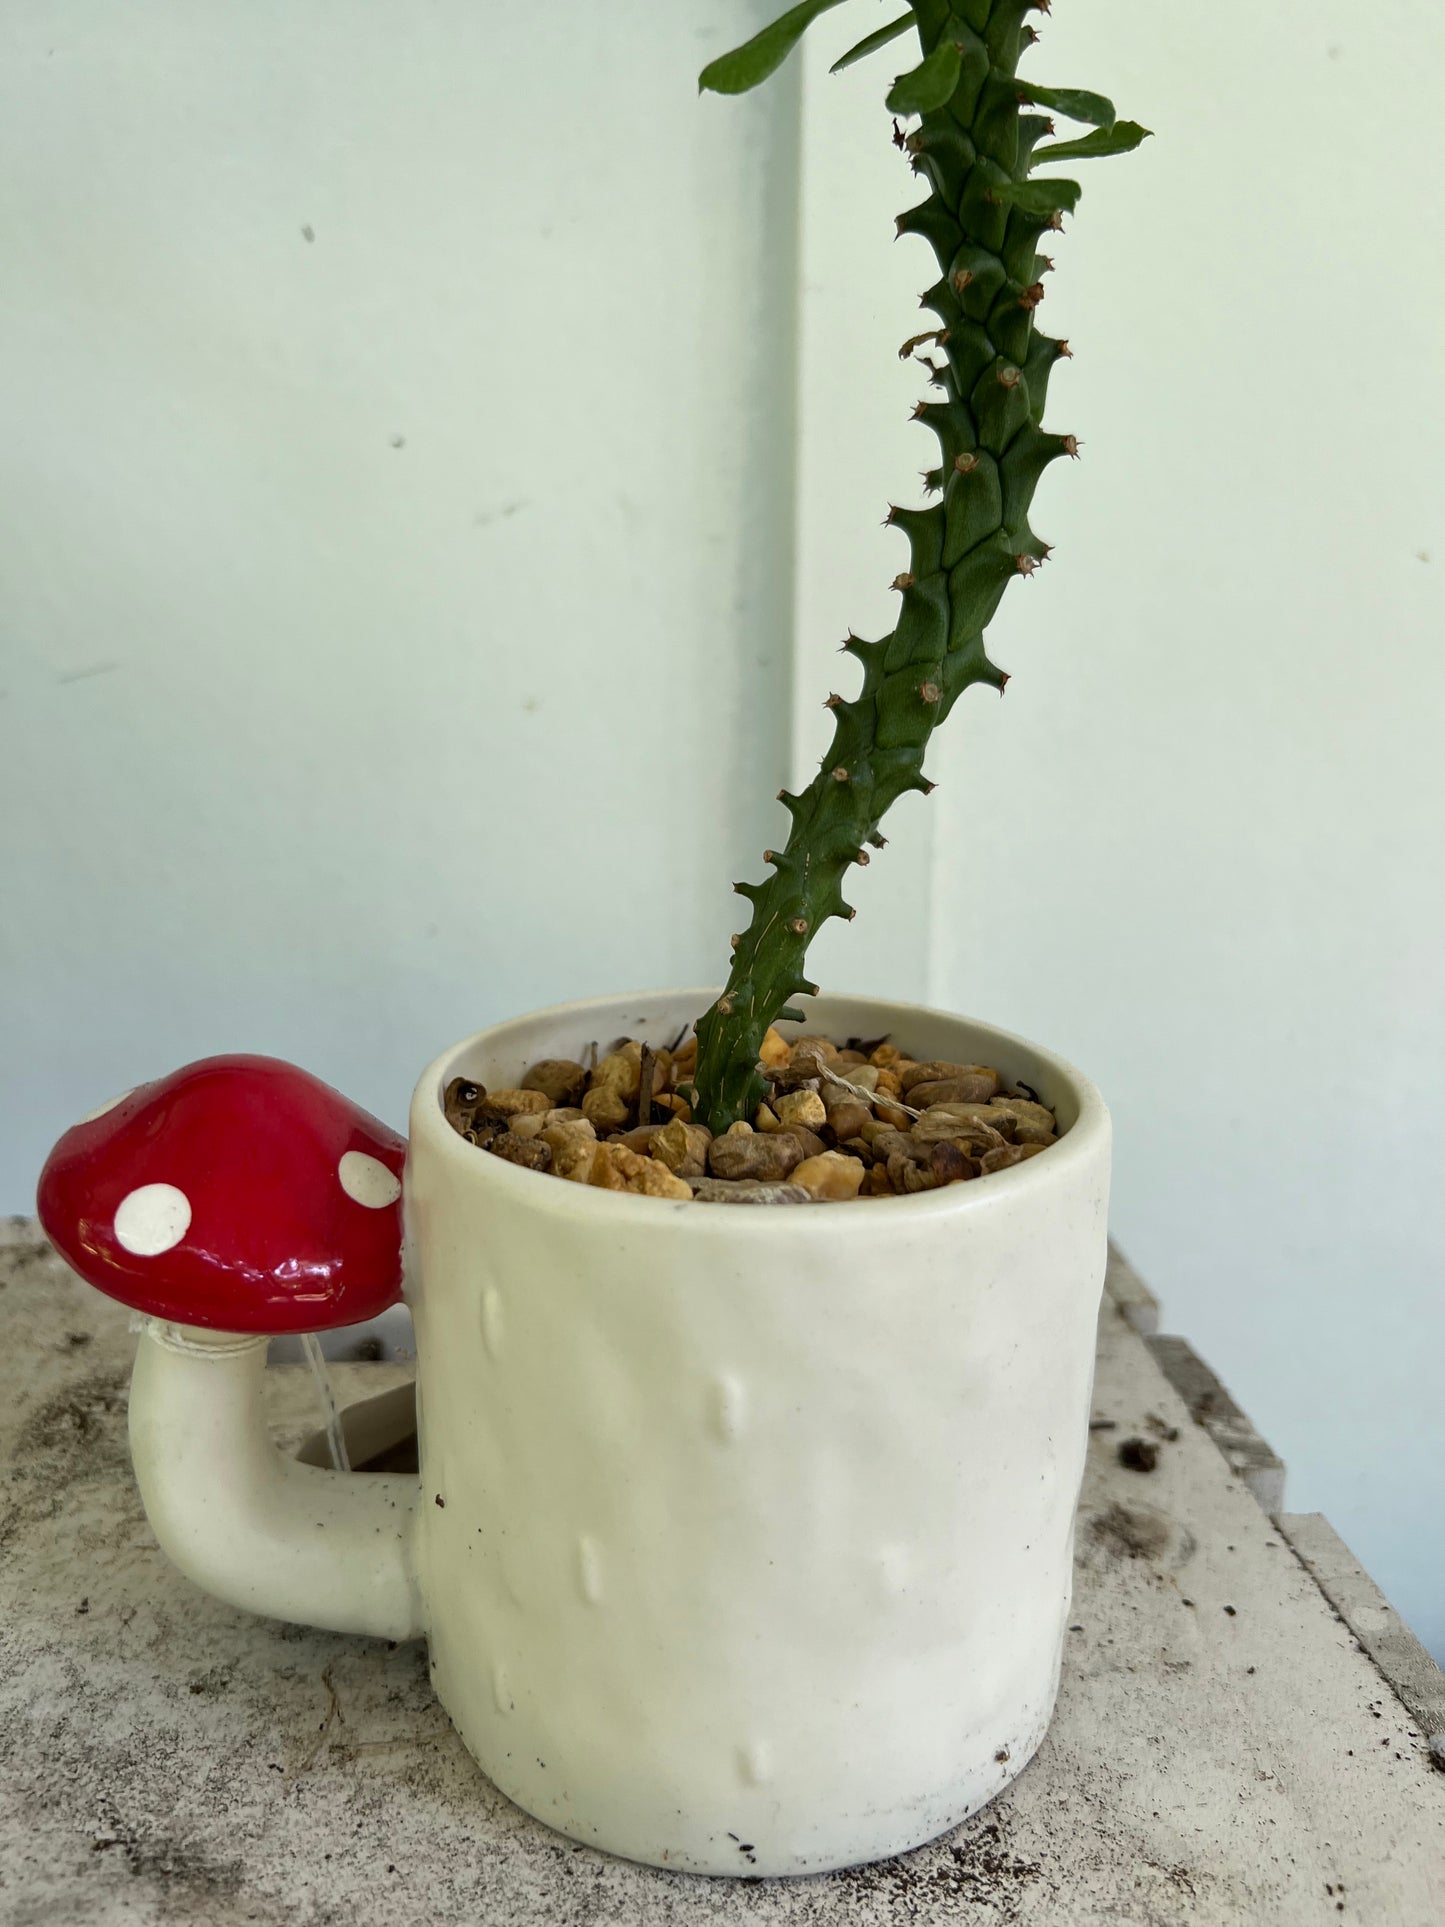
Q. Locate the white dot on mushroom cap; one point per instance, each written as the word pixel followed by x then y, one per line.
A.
pixel 101 1109
pixel 368 1180
pixel 152 1219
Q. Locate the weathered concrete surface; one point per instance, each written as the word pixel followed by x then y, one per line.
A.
pixel 1129 1292
pixel 165 1759
pixel 1252 1459
pixel 1418 1683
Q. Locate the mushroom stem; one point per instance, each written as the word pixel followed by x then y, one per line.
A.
pixel 245 1522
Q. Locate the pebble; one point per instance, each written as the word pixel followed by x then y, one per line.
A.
pixel 801 1107
pixel 949 1163
pixel 775 1049
pixel 984 1082
pixel 513 1103
pixel 847 1117
pixel 749 1191
pixel 643 1175
pixel 573 1148
pixel 968 1089
pixel 936 1127
pixel 830 1176
pixel 682 1148
pixel 999 1158
pixel 619 1071
pixel 604 1173
pixel 605 1108
pixel 768 1156
pixel 528 1151
pixel 907 1174
pixel 1032 1123
pixel 558 1078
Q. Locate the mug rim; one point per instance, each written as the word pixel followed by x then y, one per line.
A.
pixel 1083 1139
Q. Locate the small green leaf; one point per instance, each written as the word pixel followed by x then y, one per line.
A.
pixel 872 43
pixel 1121 138
pixel 930 83
pixel 1074 103
pixel 746 66
pixel 1038 197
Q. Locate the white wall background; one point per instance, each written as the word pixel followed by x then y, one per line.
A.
pixel 395 524
pixel 321 745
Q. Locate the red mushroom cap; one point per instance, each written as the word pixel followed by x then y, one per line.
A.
pixel 239 1193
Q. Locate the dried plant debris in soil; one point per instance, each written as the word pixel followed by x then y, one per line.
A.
pixel 861 1121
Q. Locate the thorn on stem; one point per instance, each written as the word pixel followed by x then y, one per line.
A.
pixel 904 580
pixel 1026 564
pixel 799 926
pixel 840 775
pixel 1071 446
pixel 862 859
pixel 960 279
pixel 966 463
pixel 725 1006
pixel 898 135
pixel 930 692
pixel 1032 296
pixel 832 702
pixel 1009 376
pixel 1063 351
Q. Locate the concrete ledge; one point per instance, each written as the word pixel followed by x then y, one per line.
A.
pixel 1412 1675
pixel 1129 1292
pixel 1254 1461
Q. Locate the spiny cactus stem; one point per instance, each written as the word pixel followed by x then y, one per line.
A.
pixel 965 547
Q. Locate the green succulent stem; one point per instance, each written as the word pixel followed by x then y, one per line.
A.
pixel 984 218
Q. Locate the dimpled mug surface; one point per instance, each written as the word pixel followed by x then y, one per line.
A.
pixel 745 1534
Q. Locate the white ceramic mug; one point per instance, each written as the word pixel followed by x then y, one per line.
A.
pixel 743 1539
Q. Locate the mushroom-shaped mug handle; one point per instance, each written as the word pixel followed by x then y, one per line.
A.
pixel 236 1199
